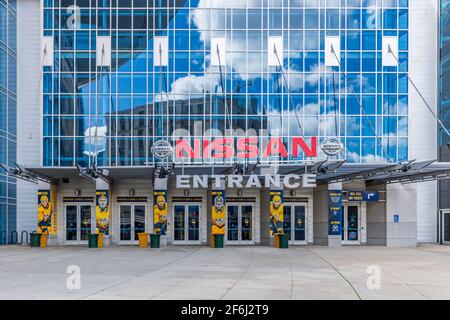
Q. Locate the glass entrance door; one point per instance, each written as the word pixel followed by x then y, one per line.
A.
pixel 446 227
pixel 85 222
pixel 186 224
pixel 351 225
pixel 132 222
pixel 78 223
pixel 294 223
pixel 139 221
pixel 240 226
pixel 72 223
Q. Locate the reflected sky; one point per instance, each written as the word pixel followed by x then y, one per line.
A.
pixel 135 100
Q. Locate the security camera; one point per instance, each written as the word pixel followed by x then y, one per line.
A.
pixel 448 145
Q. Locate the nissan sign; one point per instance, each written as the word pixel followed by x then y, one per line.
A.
pixel 332 147
pixel 162 150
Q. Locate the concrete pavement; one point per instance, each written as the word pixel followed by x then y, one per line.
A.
pixel 231 273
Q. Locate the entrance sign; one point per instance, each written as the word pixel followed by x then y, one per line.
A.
pixel 187 199
pixel 296 200
pixel 335 213
pixel 218 212
pixel 102 212
pixel 160 210
pixel 78 199
pixel 132 199
pixel 290 181
pixel 241 199
pixel 244 148
pixel 276 212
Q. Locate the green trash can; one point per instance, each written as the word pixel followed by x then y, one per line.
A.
pixel 35 240
pixel 93 240
pixel 284 241
pixel 218 241
pixel 155 240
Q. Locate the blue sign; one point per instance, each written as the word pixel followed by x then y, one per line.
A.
pixel 396 218
pixel 364 196
pixel 371 196
pixel 335 213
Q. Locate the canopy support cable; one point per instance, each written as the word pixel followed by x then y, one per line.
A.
pixel 380 141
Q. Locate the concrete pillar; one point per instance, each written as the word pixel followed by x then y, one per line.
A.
pixel 103 210
pixel 320 215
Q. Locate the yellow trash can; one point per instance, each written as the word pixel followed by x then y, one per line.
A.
pixel 143 240
pixel 277 240
pixel 213 245
pixel 100 240
pixel 44 240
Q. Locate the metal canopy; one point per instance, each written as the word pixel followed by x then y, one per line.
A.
pixel 407 172
pixel 327 172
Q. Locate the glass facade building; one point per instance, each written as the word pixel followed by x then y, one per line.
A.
pixel 118 112
pixel 8 100
pixel 445 97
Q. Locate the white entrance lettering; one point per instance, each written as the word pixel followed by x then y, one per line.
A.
pixel 290 181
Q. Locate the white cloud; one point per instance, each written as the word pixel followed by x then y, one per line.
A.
pixel 95 140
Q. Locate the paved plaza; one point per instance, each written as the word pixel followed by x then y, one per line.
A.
pixel 230 273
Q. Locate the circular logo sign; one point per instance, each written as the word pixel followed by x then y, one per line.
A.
pixel 162 149
pixel 335 199
pixel 332 147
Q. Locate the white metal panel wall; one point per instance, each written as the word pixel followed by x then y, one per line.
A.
pixel 423 58
pixel 28 106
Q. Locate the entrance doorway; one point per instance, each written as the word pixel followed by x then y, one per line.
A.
pixel 240 224
pixel 446 227
pixel 294 223
pixel 132 222
pixel 78 223
pixel 186 224
pixel 351 224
